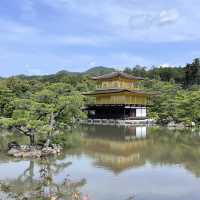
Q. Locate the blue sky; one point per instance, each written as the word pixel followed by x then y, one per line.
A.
pixel 45 36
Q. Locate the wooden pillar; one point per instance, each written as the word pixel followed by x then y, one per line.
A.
pixel 109 112
pixel 124 112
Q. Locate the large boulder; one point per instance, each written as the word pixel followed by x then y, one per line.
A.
pixel 13 151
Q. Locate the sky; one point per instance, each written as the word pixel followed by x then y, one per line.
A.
pixel 46 36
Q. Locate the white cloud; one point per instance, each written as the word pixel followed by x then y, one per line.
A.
pixel 168 17
pixel 149 19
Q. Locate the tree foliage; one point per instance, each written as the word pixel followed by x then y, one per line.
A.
pixel 35 107
pixel 173 103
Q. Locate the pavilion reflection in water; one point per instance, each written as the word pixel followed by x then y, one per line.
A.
pixel 121 148
pixel 121 133
pixel 114 148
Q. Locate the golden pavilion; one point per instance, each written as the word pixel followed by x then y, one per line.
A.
pixel 118 96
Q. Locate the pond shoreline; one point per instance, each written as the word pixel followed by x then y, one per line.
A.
pixel 118 122
pixel 144 122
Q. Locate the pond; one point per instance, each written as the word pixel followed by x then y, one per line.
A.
pixel 119 163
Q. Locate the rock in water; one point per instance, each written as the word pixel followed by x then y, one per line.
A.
pixel 33 152
pixel 13 151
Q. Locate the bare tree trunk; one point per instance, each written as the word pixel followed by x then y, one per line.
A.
pixel 51 126
pixel 32 139
pixel 52 122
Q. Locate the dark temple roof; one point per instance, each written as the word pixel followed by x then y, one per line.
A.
pixel 115 90
pixel 117 74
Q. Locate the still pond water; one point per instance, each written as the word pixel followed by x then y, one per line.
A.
pixel 118 163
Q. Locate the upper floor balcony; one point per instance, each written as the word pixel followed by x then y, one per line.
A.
pixel 130 85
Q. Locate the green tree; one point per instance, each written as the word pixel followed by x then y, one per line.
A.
pixel 192 73
pixel 44 113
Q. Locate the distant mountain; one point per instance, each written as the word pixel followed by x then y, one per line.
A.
pixel 99 70
pixel 94 71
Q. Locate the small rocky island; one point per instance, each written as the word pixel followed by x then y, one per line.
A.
pixel 36 151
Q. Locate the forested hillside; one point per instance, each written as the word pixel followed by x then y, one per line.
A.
pixel 178 92
pixel 94 71
pixel 187 76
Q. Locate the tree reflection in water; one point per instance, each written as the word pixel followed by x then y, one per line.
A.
pixel 26 186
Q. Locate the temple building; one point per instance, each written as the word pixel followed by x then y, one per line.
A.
pixel 118 96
